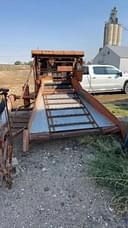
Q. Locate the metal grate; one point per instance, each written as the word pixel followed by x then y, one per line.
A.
pixel 65 111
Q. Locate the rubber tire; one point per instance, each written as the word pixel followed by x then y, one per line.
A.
pixel 126 88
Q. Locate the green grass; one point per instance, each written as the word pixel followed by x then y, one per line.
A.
pixel 109 168
pixel 118 110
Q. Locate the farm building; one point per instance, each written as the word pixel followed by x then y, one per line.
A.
pixel 113 55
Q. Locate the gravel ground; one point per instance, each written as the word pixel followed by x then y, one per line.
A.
pixel 51 189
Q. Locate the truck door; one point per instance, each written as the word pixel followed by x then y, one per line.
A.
pixel 114 78
pixel 100 80
pixel 86 79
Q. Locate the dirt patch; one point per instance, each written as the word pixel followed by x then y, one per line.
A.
pixel 112 97
pixel 14 80
pixel 11 67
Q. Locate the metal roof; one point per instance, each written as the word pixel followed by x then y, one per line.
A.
pixel 120 51
pixel 57 53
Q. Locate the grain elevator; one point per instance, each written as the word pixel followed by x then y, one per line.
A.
pixel 112 30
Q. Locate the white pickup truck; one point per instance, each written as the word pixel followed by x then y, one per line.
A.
pixel 104 78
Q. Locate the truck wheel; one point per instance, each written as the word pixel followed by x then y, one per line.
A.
pixel 126 88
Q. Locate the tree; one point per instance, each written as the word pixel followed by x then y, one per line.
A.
pixel 27 63
pixel 18 63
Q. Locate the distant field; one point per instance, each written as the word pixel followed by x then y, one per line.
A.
pixel 12 67
pixel 15 79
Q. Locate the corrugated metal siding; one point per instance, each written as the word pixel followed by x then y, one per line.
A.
pixel 107 56
pixel 124 64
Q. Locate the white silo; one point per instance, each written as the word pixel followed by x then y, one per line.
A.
pixel 109 34
pixel 119 35
pixel 112 30
pixel 115 34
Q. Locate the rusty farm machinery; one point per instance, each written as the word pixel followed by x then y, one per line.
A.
pixel 61 108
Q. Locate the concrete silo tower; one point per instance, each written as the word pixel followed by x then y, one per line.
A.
pixel 112 30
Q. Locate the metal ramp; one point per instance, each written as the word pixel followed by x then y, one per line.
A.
pixel 65 111
pixel 61 111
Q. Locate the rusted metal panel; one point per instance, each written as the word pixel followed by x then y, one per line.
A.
pixel 64 69
pixel 57 53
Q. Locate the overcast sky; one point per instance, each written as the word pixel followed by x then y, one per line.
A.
pixel 55 24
